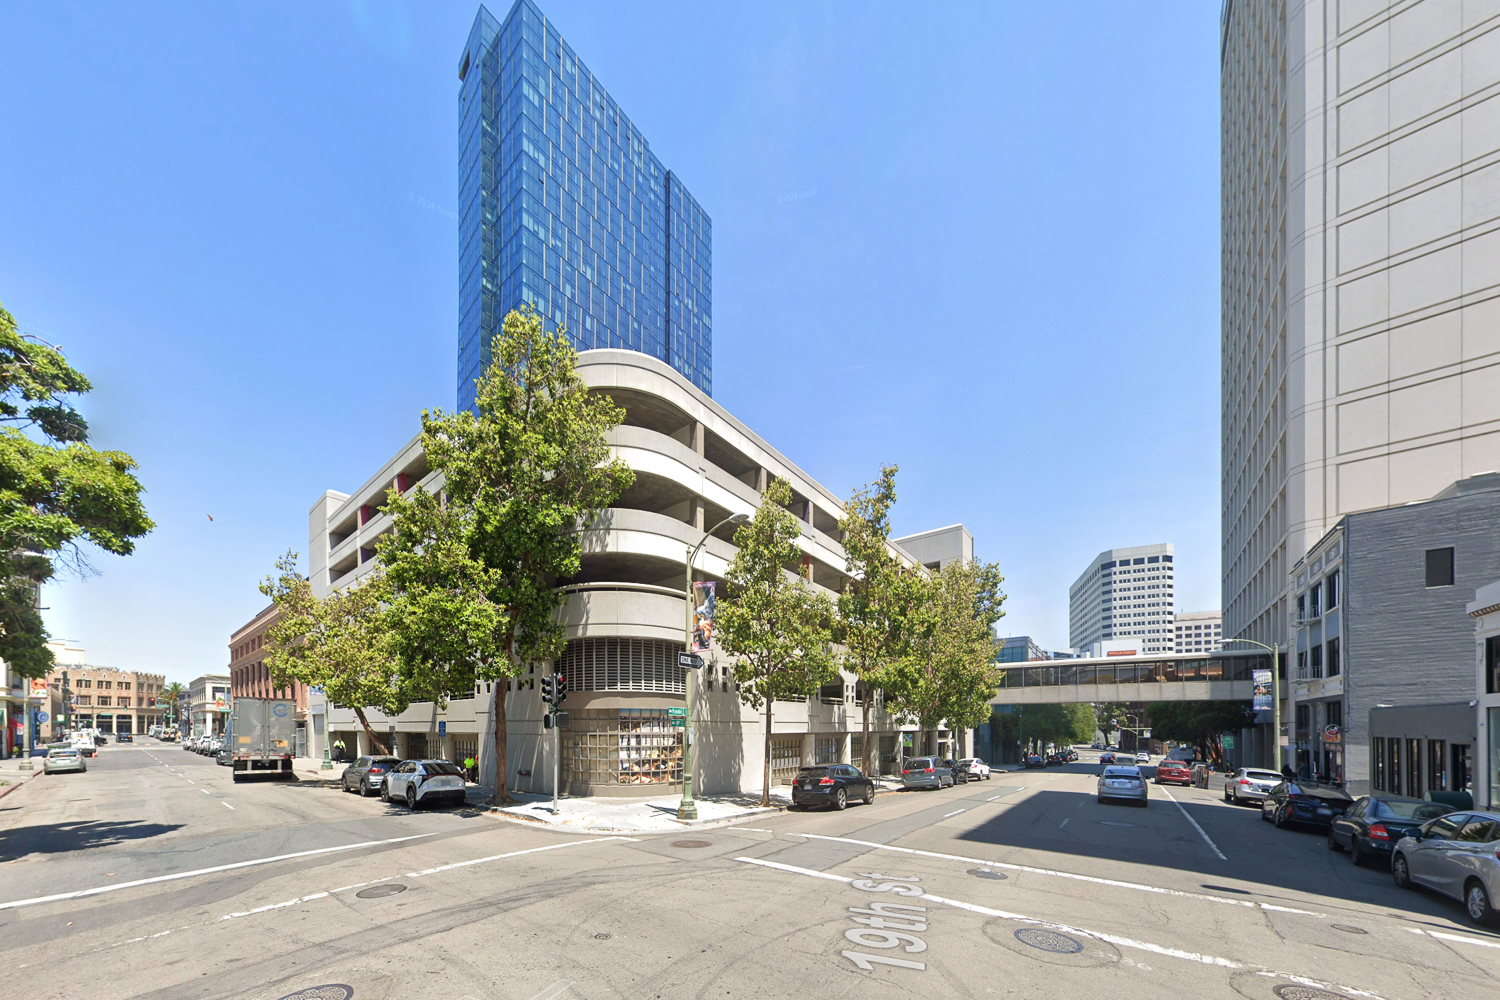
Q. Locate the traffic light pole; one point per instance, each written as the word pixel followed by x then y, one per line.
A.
pixel 556 747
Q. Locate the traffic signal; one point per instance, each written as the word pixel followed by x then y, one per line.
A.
pixel 547 690
pixel 560 689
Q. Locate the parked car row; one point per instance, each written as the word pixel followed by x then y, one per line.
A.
pixel 1429 845
pixel 940 772
pixel 414 782
pixel 208 746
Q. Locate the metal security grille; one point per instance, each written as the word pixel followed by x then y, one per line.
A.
pixel 887 753
pixel 623 665
pixel 416 746
pixel 786 757
pixel 857 749
pixel 627 746
pixel 827 750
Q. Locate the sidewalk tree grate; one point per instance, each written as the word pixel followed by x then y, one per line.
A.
pixel 692 843
pixel 986 873
pixel 1349 928
pixel 1291 991
pixel 376 891
pixel 332 991
pixel 1045 940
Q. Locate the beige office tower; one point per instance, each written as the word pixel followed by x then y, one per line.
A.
pixel 1361 272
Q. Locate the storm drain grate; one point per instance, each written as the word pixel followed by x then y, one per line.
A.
pixel 332 991
pixel 1290 991
pixel 692 843
pixel 1058 944
pixel 376 891
pixel 1349 928
pixel 986 873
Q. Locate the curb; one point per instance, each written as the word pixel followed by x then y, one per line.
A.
pixel 14 785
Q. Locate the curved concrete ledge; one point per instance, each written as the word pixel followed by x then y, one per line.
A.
pixel 626 610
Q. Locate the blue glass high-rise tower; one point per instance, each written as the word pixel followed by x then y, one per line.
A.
pixel 562 204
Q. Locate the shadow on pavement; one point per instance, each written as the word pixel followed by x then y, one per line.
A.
pixel 59 838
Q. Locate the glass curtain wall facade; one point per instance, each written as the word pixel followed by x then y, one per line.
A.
pixel 563 205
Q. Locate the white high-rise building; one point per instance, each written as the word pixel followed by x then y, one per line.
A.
pixel 1360 218
pixel 1124 593
pixel 1198 632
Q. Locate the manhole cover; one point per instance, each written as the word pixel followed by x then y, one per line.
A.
pixel 376 891
pixel 986 873
pixel 1349 928
pixel 1115 822
pixel 333 991
pixel 692 843
pixel 1058 944
pixel 1290 991
pixel 603 936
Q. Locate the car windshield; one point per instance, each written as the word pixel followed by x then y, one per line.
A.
pixel 440 767
pixel 1420 812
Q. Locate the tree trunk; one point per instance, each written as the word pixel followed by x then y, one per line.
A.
pixel 375 742
pixel 497 706
pixel 765 795
pixel 865 739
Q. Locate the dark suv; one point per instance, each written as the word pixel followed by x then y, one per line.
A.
pixel 834 785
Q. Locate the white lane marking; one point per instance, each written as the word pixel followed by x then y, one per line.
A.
pixel 203 871
pixel 1137 886
pixel 994 797
pixel 1206 839
pixel 203 790
pixel 1115 939
pixel 557 989
pixel 955 812
pixel 1456 937
pixel 1063 823
pixel 226 805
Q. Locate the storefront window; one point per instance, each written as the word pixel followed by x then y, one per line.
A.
pixel 626 746
pixel 1437 765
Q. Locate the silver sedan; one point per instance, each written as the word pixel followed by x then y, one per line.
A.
pixel 61 759
pixel 1122 783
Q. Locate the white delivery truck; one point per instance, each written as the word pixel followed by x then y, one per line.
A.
pixel 263 736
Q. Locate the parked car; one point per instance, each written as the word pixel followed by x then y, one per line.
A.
pixel 1035 760
pixel 424 781
pixel 1374 824
pixel 60 759
pixel 1122 782
pixel 1070 755
pixel 1250 784
pixel 1054 760
pixel 367 774
pixel 925 772
pixel 831 785
pixel 1106 757
pixel 976 769
pixel 1310 803
pixel 225 757
pixel 960 776
pixel 1174 772
pixel 1455 855
pixel 86 747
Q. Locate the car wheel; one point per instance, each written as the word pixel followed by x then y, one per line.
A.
pixel 1400 873
pixel 1263 817
pixel 1333 844
pixel 385 790
pixel 869 794
pixel 1227 799
pixel 1278 819
pixel 840 798
pixel 1477 903
pixel 411 798
pixel 1355 854
pixel 364 789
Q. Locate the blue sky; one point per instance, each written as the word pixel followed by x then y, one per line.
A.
pixel 979 240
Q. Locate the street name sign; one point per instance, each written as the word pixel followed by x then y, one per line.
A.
pixel 690 660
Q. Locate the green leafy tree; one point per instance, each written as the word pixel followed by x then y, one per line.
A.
pixel 947 672
pixel 869 621
pixel 473 573
pixel 57 494
pixel 1038 726
pixel 1200 723
pixel 1109 715
pixel 169 698
pixel 340 644
pixel 772 621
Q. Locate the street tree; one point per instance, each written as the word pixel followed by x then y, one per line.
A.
pixel 340 643
pixel 1042 725
pixel 169 698
pixel 58 495
pixel 772 622
pixel 1200 723
pixel 947 671
pixel 1109 716
pixel 868 624
pixel 473 572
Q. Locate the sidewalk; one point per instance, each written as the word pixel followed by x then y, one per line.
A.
pixel 13 777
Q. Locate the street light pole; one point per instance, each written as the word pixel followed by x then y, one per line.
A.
pixel 1276 758
pixel 688 809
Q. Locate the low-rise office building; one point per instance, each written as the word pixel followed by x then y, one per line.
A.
pixel 1485 612
pixel 85 696
pixel 1380 669
pixel 695 465
pixel 249 677
pixel 208 705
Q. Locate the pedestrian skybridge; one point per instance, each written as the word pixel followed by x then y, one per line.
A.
pixel 1163 677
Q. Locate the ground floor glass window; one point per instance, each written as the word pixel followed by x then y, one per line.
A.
pixel 626 746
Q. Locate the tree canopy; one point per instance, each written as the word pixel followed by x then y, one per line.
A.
pixel 58 495
pixel 1201 723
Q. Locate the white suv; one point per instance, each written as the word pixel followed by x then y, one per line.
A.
pixel 975 767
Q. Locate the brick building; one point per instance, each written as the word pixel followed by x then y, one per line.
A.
pixel 249 677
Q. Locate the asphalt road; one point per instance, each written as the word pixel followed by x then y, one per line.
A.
pixel 1020 886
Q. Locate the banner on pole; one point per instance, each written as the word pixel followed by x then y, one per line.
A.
pixel 1262 680
pixel 703 615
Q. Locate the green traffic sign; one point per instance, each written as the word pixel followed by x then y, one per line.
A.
pixel 1228 742
pixel 675 712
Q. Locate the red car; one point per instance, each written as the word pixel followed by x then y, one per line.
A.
pixel 1173 771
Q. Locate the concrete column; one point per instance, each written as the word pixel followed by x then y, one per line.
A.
pixel 698 437
pixel 846 749
pixel 695 514
pixel 809 749
pixel 807 511
pixel 762 480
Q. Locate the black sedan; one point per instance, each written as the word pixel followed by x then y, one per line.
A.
pixel 960 774
pixel 1034 760
pixel 1371 827
pixel 1309 803
pixel 831 785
